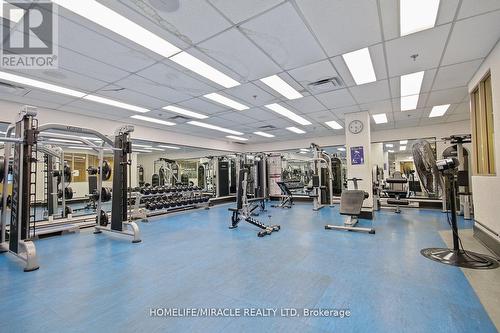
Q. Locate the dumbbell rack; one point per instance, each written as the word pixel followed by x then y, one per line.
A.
pixel 184 199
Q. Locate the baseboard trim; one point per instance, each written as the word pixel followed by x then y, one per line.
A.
pixel 487 240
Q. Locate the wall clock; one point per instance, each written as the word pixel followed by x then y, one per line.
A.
pixel 356 126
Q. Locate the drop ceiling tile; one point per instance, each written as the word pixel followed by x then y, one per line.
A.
pixel 409 115
pixel 192 21
pixel 340 112
pixel 384 106
pixel 238 117
pixel 203 106
pixel 457 75
pixel 63 78
pixel 428 44
pixel 240 10
pixel 329 19
pixel 29 101
pixel 194 51
pixel 426 83
pixel 378 61
pixel 446 12
pixel 462 108
pixel 322 116
pixel 426 121
pixel 458 117
pixel 407 123
pixel 100 47
pixel 306 105
pixel 474 7
pixel 390 18
pixel 251 94
pixel 150 88
pixel 261 114
pixel 343 71
pixel 93 109
pixel 282 34
pixel 53 98
pixel 369 92
pixel 131 97
pixel 448 96
pixel 236 51
pixel 320 70
pixel 176 80
pixel 75 62
pixel 169 116
pixel 336 99
pixel 422 98
pixel 473 38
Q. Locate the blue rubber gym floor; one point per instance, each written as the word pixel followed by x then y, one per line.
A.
pixel 96 283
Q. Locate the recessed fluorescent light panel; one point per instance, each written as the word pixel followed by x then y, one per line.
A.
pixel 214 127
pixel 264 134
pixel 140 145
pixel 410 90
pixel 333 124
pixel 360 65
pixel 185 112
pixel 403 142
pixel 402 148
pixel 287 113
pixel 153 120
pixel 390 151
pixel 41 85
pixel 389 145
pixel 304 149
pixel 109 19
pixel 439 110
pixel 341 149
pixel 239 138
pixel 157 149
pixel 194 64
pixel 226 101
pixel 279 85
pixel 380 118
pixel 417 15
pixel 114 103
pixel 295 130
pixel 168 147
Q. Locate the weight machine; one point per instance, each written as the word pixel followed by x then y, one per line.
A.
pixel 322 181
pixel 351 202
pixel 245 206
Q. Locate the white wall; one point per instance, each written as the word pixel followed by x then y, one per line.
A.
pixel 486 189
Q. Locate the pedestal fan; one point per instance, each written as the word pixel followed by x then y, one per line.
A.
pixel 431 173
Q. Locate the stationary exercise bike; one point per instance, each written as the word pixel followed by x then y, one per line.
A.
pixel 245 206
pixel 351 202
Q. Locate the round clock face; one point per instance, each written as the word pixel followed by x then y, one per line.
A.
pixel 355 126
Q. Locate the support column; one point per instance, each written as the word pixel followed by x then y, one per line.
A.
pixel 358 149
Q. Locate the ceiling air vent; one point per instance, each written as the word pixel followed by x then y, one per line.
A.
pixel 329 84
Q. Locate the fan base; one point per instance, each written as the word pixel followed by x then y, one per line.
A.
pixel 460 258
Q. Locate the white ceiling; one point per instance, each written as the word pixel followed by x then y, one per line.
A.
pixel 300 40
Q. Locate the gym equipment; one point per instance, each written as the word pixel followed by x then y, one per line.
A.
pixel 286 198
pixel 448 168
pixel 351 202
pixel 106 171
pixel 68 193
pixel 24 144
pixel 397 191
pixel 322 180
pixel 244 206
pixel 222 178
